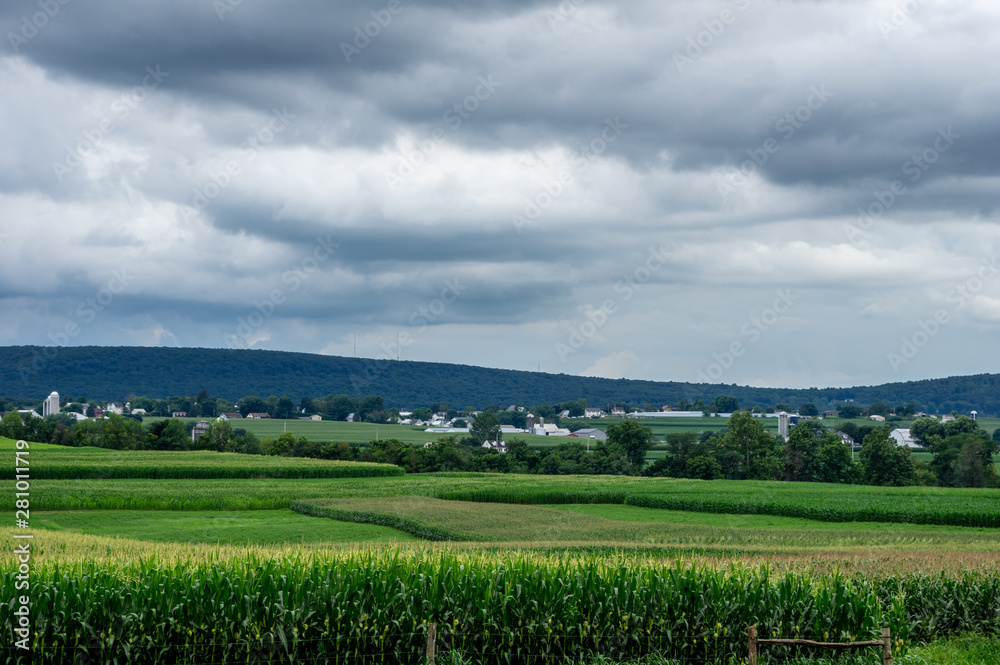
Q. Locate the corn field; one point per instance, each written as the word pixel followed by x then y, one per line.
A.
pixel 375 606
pixel 193 465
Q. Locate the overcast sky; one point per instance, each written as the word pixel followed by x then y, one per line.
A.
pixel 776 193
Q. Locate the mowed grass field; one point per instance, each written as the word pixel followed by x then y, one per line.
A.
pixel 241 568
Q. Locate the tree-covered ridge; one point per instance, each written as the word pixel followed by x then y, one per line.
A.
pixel 115 372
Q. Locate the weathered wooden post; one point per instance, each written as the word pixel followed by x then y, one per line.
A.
pixel 432 630
pixel 752 643
pixel 886 647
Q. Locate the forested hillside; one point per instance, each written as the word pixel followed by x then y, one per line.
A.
pixel 115 372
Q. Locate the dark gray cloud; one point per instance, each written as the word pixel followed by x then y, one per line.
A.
pixel 677 162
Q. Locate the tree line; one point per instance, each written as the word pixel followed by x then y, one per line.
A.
pixel 962 452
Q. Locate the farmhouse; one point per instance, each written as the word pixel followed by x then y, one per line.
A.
pixel 846 438
pixel 258 416
pixel 878 419
pixel 593 413
pixel 175 414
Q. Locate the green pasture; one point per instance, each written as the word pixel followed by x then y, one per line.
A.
pixel 266 527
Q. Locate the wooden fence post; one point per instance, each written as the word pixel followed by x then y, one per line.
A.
pixel 886 647
pixel 752 644
pixel 432 629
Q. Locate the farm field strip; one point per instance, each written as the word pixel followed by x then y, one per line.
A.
pixel 314 604
pixel 264 527
pixel 435 519
pixel 824 502
pixel 110 464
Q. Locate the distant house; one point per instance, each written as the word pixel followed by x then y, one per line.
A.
pixel 199 428
pixel 258 416
pixel 846 438
pixel 903 438
pixel 175 414
pixel 829 414
pixel 593 413
pixel 350 417
pixel 138 412
pixel 312 417
pixel 617 411
pixel 231 416
pixel 499 446
pixel 878 419
pixel 115 407
pixel 564 413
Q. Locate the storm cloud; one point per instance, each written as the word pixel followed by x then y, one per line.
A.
pixel 759 192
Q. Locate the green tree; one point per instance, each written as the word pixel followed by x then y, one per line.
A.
pixel 251 404
pixel 884 462
pixel 726 404
pixel 12 427
pixel 120 433
pixel 756 448
pixel 808 409
pixel 848 411
pixel 141 403
pixel 373 405
pixel 704 467
pixel 485 428
pixel 879 409
pixel 800 452
pixel 833 462
pixel 168 434
pixel 218 437
pixel 285 408
pixel 338 407
pixel 634 439
pixel 973 466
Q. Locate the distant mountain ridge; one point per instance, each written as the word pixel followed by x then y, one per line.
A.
pixel 116 371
